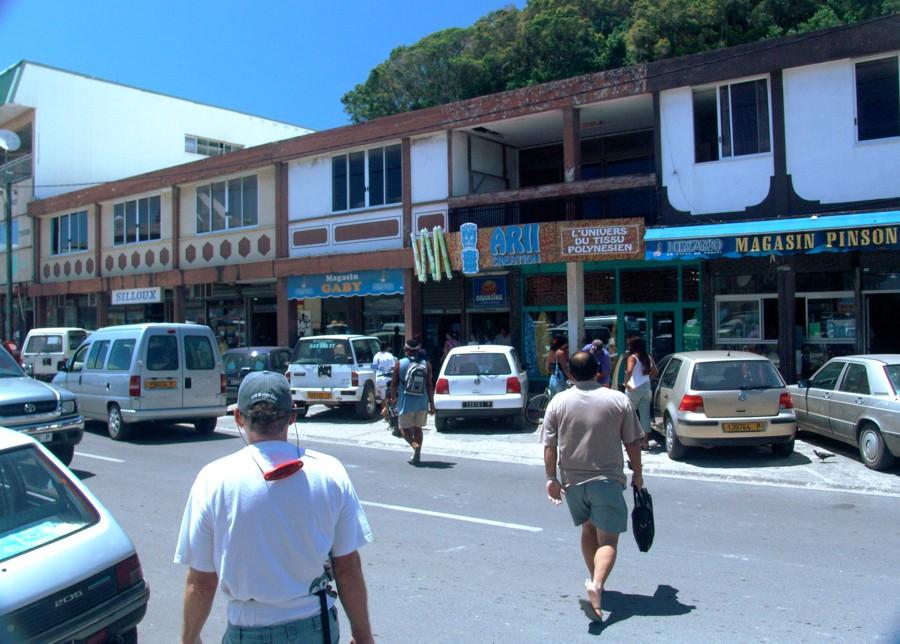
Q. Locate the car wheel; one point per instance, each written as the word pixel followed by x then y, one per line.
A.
pixel 205 425
pixel 441 423
pixel 783 450
pixel 117 428
pixel 65 453
pixel 674 448
pixel 367 405
pixel 872 450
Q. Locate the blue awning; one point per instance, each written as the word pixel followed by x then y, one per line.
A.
pixel 816 234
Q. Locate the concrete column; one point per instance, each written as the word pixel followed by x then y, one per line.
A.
pixel 412 304
pixel 282 306
pixel 103 306
pixel 787 320
pixel 178 304
pixel 575 304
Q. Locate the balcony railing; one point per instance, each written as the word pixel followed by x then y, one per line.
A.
pixel 16 169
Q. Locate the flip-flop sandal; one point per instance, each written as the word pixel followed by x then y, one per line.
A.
pixel 588 611
pixel 594 598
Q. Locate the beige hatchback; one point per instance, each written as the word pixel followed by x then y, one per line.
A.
pixel 716 398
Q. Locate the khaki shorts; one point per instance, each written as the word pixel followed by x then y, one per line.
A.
pixel 601 501
pixel 413 419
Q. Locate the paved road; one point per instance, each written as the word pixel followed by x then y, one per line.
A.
pixel 468 549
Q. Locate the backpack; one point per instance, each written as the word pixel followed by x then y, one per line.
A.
pixel 416 375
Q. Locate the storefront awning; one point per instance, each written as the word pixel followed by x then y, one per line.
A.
pixel 816 234
pixel 377 282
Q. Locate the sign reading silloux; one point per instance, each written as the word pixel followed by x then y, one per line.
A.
pixel 151 295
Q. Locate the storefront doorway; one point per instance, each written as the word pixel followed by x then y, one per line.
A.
pixel 485 328
pixel 881 313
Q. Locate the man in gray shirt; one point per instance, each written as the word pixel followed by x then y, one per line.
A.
pixel 583 432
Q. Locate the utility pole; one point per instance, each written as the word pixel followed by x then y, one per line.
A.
pixel 10 142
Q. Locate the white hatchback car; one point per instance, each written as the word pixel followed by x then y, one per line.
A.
pixel 483 381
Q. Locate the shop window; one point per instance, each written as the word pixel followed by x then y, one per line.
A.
pixel 690 284
pixel 649 285
pixel 746 283
pixel 731 120
pixel 68 233
pixel 226 205
pixel 880 281
pixel 830 318
pixel 877 99
pixel 545 290
pixel 691 331
pixel 738 320
pixel 366 179
pixel 599 287
pixel 137 220
pixel 824 281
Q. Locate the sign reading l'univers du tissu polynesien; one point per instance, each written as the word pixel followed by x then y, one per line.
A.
pixel 786 243
pixel 475 249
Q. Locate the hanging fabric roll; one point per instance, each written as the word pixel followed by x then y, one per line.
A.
pixel 436 269
pixel 445 256
pixel 416 258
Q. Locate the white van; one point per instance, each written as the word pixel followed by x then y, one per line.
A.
pixel 148 372
pixel 45 348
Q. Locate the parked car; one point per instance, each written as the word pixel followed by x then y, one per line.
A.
pixel 481 381
pixel 46 348
pixel 47 413
pixel 854 399
pixel 137 373
pixel 335 370
pixel 241 361
pixel 715 398
pixel 69 572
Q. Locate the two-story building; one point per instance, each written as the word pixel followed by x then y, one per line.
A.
pixel 744 197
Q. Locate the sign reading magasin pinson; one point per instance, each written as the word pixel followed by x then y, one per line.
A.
pixel 150 295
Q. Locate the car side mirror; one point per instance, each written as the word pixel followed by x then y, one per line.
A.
pixel 61 366
pixel 803 383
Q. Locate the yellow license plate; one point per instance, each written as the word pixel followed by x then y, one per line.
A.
pixel 742 427
pixel 160 384
pixel 319 395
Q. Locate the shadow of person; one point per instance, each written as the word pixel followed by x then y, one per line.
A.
pixel 663 603
pixel 436 465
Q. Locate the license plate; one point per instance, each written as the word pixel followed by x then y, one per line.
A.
pixel 477 403
pixel 160 384
pixel 234 382
pixel 318 395
pixel 43 438
pixel 742 427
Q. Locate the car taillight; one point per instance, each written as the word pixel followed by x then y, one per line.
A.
pixel 134 386
pixel 691 403
pixel 513 386
pixel 287 375
pixel 785 402
pixel 128 572
pixel 354 379
pixel 221 383
pixel 442 386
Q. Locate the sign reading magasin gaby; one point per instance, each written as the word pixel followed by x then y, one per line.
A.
pixel 593 240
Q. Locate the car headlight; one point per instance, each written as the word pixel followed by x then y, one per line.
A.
pixel 68 407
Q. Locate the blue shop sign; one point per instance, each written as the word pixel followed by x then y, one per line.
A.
pixel 383 282
pixel 489 292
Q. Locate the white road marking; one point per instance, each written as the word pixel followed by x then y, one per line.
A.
pixel 455 517
pixel 100 458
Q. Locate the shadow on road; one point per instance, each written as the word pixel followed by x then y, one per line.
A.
pixel 844 449
pixel 83 475
pixel 663 603
pixel 161 433
pixel 436 465
pixel 741 457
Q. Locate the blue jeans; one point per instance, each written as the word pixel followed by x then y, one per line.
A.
pixel 301 631
pixel 640 400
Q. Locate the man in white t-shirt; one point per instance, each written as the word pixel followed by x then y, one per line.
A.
pixel 270 524
pixel 384 360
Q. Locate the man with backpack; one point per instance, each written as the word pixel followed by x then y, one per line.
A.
pixel 412 390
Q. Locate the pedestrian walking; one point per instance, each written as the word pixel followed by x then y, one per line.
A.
pixel 639 368
pixel 412 390
pixel 583 432
pixel 384 360
pixel 271 523
pixel 596 349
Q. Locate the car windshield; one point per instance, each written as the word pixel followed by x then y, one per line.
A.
pixel 478 364
pixel 234 362
pixel 37 505
pixel 322 351
pixel 9 368
pixel 893 374
pixel 727 375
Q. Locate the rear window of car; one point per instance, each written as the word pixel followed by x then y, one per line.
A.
pixel 37 506
pixel 478 364
pixel 234 362
pixel 322 351
pixel 735 374
pixel 198 352
pixel 893 374
pixel 76 338
pixel 162 353
pixel 44 344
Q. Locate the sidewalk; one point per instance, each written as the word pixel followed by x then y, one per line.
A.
pixel 842 472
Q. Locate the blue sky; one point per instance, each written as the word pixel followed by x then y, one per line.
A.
pixel 284 60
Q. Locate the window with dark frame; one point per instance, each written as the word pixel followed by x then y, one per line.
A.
pixel 366 179
pixel 227 205
pixel 68 233
pixel 208 147
pixel 877 99
pixel 731 120
pixel 138 220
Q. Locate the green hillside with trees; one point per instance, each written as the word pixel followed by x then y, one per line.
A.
pixel 554 39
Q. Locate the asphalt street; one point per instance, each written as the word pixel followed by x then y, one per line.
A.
pixel 468 549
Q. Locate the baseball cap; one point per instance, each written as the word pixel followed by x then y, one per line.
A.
pixel 265 386
pixel 412 344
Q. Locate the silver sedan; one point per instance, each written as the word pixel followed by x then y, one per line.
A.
pixel 854 399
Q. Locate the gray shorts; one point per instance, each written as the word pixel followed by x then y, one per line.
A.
pixel 413 419
pixel 601 501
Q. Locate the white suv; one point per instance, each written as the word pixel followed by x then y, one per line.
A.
pixel 484 381
pixel 335 370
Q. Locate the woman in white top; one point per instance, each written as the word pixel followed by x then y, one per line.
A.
pixel 639 368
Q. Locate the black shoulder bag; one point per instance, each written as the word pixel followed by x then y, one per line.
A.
pixel 642 519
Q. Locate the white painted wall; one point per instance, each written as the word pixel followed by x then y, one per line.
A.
pixel 309 188
pixel 460 152
pixel 89 131
pixel 824 159
pixel 727 185
pixel 428 158
pixel 331 247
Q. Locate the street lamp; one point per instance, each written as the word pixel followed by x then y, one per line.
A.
pixel 10 142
